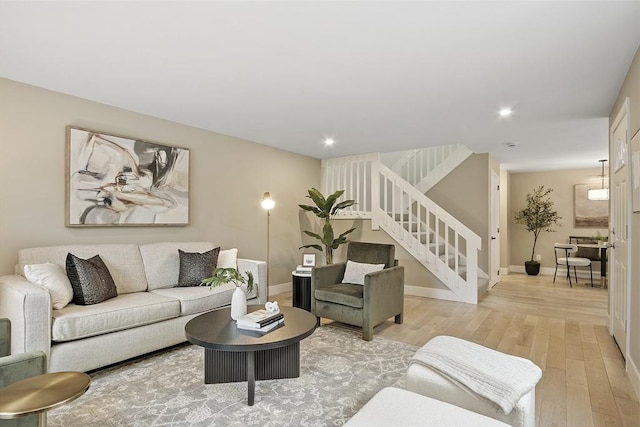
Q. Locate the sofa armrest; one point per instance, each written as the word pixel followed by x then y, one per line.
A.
pixel 259 271
pixel 327 275
pixel 28 306
pixel 323 276
pixel 21 366
pixel 384 293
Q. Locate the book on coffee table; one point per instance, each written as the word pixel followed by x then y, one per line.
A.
pixel 263 329
pixel 258 318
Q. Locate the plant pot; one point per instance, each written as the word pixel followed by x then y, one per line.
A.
pixel 238 303
pixel 532 268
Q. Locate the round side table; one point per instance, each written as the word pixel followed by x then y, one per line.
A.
pixel 38 394
pixel 301 284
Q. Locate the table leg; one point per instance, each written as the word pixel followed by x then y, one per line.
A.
pixel 251 376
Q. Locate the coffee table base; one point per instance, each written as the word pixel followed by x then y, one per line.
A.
pixel 235 366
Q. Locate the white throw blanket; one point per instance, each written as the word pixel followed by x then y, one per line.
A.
pixel 498 377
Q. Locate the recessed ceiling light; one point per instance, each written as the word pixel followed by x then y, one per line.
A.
pixel 329 141
pixel 511 144
pixel 505 112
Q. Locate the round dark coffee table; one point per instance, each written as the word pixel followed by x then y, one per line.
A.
pixel 232 354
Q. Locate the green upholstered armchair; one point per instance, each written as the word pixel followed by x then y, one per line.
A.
pixel 14 368
pixel 368 305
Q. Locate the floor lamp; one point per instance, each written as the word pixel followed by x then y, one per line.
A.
pixel 268 204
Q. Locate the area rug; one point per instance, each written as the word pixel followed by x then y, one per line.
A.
pixel 339 373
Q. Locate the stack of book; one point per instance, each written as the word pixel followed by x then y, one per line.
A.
pixel 260 321
pixel 306 271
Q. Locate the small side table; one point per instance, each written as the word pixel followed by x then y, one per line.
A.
pixel 38 394
pixel 301 284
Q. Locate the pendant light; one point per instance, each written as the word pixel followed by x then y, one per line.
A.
pixel 599 193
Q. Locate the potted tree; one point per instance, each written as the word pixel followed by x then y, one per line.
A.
pixel 325 209
pixel 537 216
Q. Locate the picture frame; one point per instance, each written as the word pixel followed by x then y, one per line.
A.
pixel 114 180
pixel 635 172
pixel 308 260
pixel 589 213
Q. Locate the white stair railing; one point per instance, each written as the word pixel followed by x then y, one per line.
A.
pixel 441 243
pixel 425 167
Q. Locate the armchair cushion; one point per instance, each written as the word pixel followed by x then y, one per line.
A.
pixel 18 367
pixel 355 271
pixel 343 294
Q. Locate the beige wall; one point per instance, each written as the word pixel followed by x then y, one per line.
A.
pixel 228 178
pixel 562 183
pixel 631 89
pixel 464 193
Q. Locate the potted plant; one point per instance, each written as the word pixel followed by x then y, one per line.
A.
pixel 537 216
pixel 221 276
pixel 325 209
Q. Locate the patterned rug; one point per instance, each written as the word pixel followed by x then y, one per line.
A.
pixel 339 372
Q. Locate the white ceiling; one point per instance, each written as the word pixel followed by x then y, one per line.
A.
pixel 376 75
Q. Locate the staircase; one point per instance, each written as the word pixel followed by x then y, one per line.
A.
pixel 425 167
pixel 441 243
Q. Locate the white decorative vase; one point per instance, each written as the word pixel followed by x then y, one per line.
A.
pixel 238 303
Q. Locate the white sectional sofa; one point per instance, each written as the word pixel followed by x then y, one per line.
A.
pixel 148 313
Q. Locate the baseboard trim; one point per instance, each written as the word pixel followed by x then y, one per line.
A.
pixel 548 271
pixel 419 291
pixel 504 271
pixel 634 376
pixel 280 289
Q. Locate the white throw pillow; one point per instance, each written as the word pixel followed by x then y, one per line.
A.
pixel 54 278
pixel 228 259
pixel 355 271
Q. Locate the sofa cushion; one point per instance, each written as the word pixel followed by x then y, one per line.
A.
pixel 199 299
pixel 354 272
pixel 196 266
pixel 122 312
pixel 344 294
pixel 228 258
pixel 123 261
pixel 162 262
pixel 90 279
pixel 54 278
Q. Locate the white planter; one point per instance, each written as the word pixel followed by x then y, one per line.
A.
pixel 238 303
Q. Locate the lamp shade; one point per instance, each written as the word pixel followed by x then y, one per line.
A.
pixel 598 194
pixel 267 201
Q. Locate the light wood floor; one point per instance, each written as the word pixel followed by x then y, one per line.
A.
pixel 563 330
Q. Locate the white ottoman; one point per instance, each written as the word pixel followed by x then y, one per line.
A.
pixel 450 369
pixel 397 407
pixel 427 382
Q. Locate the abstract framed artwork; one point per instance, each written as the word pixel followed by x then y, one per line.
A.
pixel 115 180
pixel 589 213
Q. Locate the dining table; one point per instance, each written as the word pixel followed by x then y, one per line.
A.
pixel 603 258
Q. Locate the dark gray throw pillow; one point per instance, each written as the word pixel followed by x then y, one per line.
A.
pixel 195 266
pixel 90 279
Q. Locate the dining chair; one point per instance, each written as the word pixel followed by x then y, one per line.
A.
pixel 568 261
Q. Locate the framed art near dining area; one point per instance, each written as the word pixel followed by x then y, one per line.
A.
pixel 589 213
pixel 120 181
